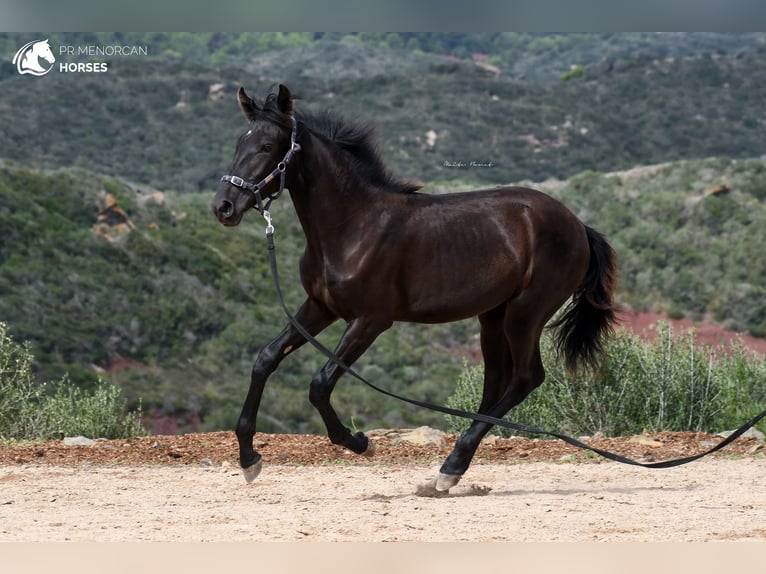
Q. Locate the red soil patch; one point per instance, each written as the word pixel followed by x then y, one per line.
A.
pixel 213 449
pixel 645 325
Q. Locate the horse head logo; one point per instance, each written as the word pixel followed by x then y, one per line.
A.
pixel 27 59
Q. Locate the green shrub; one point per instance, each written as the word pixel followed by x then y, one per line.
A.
pixel 18 390
pixel 574 72
pixel 672 383
pixel 31 411
pixel 72 411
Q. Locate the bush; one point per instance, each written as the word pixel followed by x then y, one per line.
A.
pixel 71 411
pixel 575 71
pixel 18 389
pixel 671 383
pixel 32 411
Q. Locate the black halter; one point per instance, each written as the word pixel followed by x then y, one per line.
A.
pixel 256 188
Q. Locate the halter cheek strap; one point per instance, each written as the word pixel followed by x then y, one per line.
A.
pixel 255 188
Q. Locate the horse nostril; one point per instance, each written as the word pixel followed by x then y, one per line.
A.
pixel 226 209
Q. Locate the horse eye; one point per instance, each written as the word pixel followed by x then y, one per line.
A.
pixel 266 147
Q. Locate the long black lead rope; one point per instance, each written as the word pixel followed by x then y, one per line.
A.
pixel 478 416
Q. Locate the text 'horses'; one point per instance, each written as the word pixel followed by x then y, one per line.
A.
pixel 378 251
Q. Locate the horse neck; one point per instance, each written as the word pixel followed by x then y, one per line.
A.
pixel 327 196
pixel 32 60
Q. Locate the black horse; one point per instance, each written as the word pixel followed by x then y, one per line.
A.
pixel 377 251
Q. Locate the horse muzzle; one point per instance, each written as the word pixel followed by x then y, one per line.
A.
pixel 226 212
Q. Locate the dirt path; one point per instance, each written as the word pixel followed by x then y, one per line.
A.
pixel 339 499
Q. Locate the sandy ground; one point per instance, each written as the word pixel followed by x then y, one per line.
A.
pixel 716 499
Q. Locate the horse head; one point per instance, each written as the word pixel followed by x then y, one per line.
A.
pixel 261 155
pixel 42 50
pixel 27 59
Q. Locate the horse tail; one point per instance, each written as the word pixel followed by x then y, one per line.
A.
pixel 592 313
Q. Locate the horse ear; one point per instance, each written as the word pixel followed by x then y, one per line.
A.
pixel 247 104
pixel 285 100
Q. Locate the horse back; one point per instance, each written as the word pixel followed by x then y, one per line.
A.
pixel 471 251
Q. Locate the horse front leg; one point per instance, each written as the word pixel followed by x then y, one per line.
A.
pixel 314 318
pixel 357 338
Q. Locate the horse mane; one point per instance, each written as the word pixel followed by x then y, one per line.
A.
pixel 356 142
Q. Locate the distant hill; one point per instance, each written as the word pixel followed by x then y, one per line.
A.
pixel 535 57
pixel 171 122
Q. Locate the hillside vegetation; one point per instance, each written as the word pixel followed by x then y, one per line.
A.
pixel 689 236
pixel 172 307
pixel 114 269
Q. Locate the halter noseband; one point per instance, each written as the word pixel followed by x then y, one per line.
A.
pixel 256 188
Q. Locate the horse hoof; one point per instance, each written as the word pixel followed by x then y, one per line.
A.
pixel 251 472
pixel 369 452
pixel 446 481
pixel 428 490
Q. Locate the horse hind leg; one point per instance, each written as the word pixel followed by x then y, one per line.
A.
pixel 522 373
pixel 498 367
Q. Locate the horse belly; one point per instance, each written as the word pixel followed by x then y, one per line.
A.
pixel 454 284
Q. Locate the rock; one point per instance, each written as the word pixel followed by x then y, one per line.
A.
pixel 721 189
pixel 206 462
pixel 112 223
pixel 490 440
pixel 750 433
pixel 78 441
pixel 646 441
pixel 424 436
pixel 216 91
